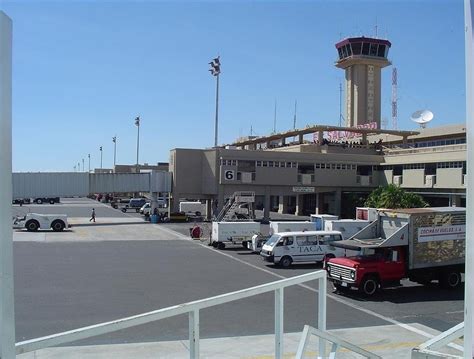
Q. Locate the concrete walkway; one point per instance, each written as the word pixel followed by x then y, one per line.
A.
pixel 388 341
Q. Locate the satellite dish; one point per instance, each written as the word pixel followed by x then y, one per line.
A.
pixel 422 117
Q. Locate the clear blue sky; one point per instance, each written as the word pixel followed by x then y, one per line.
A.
pixel 84 70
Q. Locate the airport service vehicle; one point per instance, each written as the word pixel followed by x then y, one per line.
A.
pixel 312 246
pixel 278 227
pixel 421 244
pixel 134 204
pixel 34 221
pixel 257 242
pixel 347 227
pixel 192 208
pixel 320 219
pixel 225 233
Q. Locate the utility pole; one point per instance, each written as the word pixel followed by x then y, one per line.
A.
pixel 89 156
pixel 100 149
pixel 137 123
pixel 78 167
pixel 83 168
pixel 114 140
pixel 215 71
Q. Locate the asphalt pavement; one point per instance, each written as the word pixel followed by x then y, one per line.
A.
pixel 106 271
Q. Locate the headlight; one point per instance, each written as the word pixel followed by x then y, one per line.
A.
pixel 329 268
pixel 353 274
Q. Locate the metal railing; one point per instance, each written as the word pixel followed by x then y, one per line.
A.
pixel 193 308
pixel 430 348
pixel 336 343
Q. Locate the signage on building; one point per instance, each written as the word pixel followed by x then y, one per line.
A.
pixel 338 135
pixel 304 189
pixel 229 175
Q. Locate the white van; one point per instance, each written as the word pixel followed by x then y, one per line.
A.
pixel 310 246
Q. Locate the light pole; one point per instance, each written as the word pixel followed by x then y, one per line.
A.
pixel 75 168
pixel 78 167
pixel 215 71
pixel 89 156
pixel 114 140
pixel 100 149
pixel 137 123
pixel 83 168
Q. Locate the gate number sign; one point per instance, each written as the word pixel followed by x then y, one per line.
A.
pixel 229 175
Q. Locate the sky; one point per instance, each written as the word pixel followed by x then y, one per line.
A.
pixel 84 70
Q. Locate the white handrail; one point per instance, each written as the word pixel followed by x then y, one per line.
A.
pixel 193 309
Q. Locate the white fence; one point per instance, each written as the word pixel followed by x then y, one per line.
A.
pixel 193 308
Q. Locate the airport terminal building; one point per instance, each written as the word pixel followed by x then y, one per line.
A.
pixel 333 168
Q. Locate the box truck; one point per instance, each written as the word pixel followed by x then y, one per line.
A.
pixel 420 244
pixel 225 233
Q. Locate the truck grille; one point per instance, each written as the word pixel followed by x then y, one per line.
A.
pixel 340 272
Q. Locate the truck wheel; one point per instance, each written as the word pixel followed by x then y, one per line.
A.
pixel 244 244
pixel 198 213
pixel 32 226
pixel 369 286
pixel 285 262
pixel 214 244
pixel 124 210
pixel 58 225
pixel 450 280
pixel 39 201
pixel 220 245
pixel 51 201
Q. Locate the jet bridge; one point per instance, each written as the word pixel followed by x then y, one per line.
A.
pixel 73 184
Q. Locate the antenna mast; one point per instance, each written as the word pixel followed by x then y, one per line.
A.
pixel 294 118
pixel 394 99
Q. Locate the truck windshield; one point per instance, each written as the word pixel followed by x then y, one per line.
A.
pixel 273 239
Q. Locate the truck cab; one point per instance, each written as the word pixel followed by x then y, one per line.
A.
pixel 372 269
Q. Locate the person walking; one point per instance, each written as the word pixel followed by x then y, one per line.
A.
pixel 92 215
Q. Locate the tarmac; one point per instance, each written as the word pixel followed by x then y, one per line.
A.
pixel 389 341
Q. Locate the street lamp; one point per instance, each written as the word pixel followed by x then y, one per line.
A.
pixel 83 168
pixel 89 156
pixel 215 71
pixel 100 149
pixel 114 140
pixel 137 123
pixel 78 167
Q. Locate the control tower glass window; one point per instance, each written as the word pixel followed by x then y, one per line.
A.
pixel 365 48
pixel 373 49
pixel 356 47
pixel 349 50
pixel 340 53
pixel 344 51
pixel 381 51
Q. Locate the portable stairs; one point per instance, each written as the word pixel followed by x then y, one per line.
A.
pixel 240 207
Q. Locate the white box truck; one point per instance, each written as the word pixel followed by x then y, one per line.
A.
pixel 192 208
pixel 224 233
pixel 320 219
pixel 296 226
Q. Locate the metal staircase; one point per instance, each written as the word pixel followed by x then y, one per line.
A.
pixel 238 208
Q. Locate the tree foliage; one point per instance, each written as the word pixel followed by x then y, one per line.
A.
pixel 393 197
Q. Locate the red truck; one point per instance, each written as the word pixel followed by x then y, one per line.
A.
pixel 421 244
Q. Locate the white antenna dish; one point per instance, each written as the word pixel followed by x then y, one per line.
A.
pixel 422 117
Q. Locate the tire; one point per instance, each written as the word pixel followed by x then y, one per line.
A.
pixel 244 244
pixel 214 244
pixel 220 245
pixel 137 210
pixel 39 201
pixel 32 225
pixel 369 285
pixel 450 279
pixel 198 213
pixel 124 210
pixel 58 226
pixel 286 261
pixel 51 201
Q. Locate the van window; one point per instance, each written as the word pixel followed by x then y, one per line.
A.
pixel 285 241
pixel 307 240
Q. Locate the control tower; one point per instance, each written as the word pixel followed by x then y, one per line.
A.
pixel 363 58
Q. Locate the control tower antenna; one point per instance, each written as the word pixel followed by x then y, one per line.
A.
pixel 394 99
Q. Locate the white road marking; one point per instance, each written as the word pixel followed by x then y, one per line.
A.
pixel 333 297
